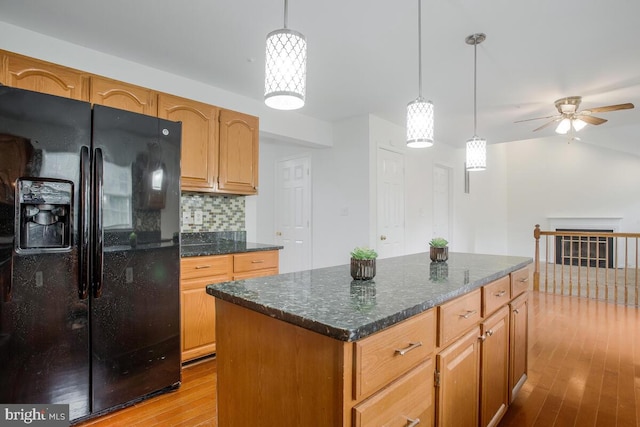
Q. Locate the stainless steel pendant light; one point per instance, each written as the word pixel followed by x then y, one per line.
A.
pixel 285 68
pixel 419 111
pixel 476 146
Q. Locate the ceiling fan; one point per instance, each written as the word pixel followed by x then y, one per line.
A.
pixel 572 119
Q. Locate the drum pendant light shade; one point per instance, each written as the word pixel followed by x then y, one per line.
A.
pixel 419 123
pixel 285 68
pixel 419 112
pixel 476 154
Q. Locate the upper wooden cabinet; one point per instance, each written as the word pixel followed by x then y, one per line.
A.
pixel 41 76
pixel 199 140
pixel 238 162
pixel 124 96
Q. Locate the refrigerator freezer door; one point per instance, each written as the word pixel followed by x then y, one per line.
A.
pixel 135 318
pixel 44 330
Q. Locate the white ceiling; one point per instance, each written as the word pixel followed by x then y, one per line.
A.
pixel 362 54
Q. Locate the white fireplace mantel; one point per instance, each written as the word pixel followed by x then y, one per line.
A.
pixel 585 223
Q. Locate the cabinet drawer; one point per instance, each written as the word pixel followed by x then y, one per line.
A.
pixel 495 295
pixel 404 401
pixel 216 266
pixel 384 356
pixel 458 315
pixel 519 281
pixel 252 261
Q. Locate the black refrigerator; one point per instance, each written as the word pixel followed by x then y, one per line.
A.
pixel 89 254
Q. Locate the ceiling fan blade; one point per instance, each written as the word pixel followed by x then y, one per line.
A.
pixel 592 120
pixel 537 118
pixel 547 124
pixel 626 106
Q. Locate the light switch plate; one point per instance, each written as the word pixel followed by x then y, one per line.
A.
pixel 186 217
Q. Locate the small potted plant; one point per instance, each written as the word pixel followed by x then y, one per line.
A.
pixel 363 263
pixel 438 249
pixel 133 239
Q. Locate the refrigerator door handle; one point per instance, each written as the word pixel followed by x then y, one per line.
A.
pixel 85 213
pixel 98 237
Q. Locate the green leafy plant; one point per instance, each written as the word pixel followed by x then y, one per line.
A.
pixel 438 242
pixel 363 253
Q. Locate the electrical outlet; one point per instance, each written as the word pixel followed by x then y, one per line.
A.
pixel 186 217
pixel 197 217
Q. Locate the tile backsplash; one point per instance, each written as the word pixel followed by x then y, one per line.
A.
pixel 219 213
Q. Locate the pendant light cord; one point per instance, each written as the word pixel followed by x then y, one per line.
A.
pixel 420 48
pixel 475 80
pixel 286 13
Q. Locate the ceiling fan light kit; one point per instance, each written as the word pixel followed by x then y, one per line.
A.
pixel 285 68
pixel 570 119
pixel 420 115
pixel 476 147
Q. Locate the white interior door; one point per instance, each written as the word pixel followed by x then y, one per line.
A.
pixel 390 203
pixel 442 201
pixel 293 214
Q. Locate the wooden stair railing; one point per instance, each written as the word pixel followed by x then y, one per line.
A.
pixel 598 265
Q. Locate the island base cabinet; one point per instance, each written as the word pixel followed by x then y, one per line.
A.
pixel 494 372
pixel 518 344
pixel 457 382
pixel 273 374
pixel 407 401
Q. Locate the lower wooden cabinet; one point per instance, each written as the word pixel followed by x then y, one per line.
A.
pixel 519 343
pixel 458 382
pixel 407 401
pixel 255 264
pixel 494 370
pixel 198 307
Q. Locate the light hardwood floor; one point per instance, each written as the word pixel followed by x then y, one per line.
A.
pixel 584 370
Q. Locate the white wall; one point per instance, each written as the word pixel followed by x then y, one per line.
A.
pixel 552 178
pixel 287 125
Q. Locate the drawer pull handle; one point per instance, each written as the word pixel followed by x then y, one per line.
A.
pixel 524 280
pixel 501 293
pixel 412 346
pixel 257 261
pixel 412 423
pixel 468 314
pixel 200 267
pixel 489 332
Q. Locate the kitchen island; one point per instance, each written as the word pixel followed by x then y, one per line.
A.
pixel 317 348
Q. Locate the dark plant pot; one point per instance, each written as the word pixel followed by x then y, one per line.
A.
pixel 363 269
pixel 439 254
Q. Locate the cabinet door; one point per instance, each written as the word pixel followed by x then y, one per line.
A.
pixel 124 96
pixel 199 140
pixel 40 76
pixel 457 382
pixel 494 371
pixel 198 322
pixel 238 165
pixel 518 344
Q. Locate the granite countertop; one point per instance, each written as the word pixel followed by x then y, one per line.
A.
pixel 329 302
pixel 219 243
